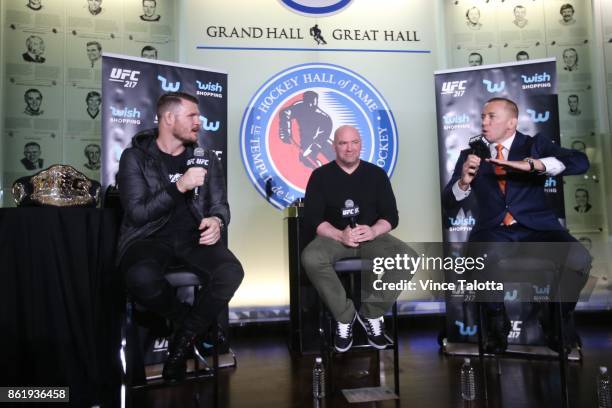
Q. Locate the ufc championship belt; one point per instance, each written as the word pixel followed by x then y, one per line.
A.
pixel 58 186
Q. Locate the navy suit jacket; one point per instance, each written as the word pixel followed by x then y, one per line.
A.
pixel 524 198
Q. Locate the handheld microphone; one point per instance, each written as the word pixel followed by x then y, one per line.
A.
pixel 198 161
pixel 480 147
pixel 350 211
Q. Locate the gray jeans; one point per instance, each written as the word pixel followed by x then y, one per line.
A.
pixel 319 257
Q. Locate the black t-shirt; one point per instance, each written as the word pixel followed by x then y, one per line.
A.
pixel 368 187
pixel 182 221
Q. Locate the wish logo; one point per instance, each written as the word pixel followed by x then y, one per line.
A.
pixel 167 85
pixel 511 295
pixel 129 78
pixel 461 223
pixel 466 330
pixel 537 117
pixel 208 125
pixel 456 121
pixel 209 89
pixel 287 129
pixel 316 8
pixel 494 87
pixel 542 80
pixel 125 115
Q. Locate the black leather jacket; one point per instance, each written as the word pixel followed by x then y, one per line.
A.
pixel 145 195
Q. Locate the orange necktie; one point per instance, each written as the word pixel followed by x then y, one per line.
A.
pixel 501 180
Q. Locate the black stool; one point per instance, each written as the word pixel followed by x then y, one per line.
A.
pixel 134 377
pixel 350 269
pixel 523 270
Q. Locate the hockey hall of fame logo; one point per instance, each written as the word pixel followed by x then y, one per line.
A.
pixel 316 8
pixel 288 127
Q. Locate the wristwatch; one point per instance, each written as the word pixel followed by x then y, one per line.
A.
pixel 532 168
pixel 220 221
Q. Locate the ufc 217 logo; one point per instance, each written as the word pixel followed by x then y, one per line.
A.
pixel 453 88
pixel 128 77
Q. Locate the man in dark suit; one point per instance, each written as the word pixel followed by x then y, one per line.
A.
pixel 509 191
pixel 582 201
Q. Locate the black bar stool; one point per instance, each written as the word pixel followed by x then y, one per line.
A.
pixel 349 271
pixel 132 359
pixel 528 271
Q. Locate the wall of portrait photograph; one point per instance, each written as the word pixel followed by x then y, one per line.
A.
pixel 52 55
pixel 497 32
pixel 491 32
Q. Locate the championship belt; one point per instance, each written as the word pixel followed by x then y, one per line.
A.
pixel 58 186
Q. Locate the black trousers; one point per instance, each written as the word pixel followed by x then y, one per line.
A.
pixel 574 257
pixel 146 261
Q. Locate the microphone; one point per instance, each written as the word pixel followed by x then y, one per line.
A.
pixel 350 211
pixel 198 160
pixel 480 147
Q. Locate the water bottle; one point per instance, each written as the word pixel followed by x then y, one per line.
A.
pixel 468 381
pixel 318 379
pixel 604 399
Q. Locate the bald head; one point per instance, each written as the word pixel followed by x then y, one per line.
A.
pixel 347 144
pixel 346 130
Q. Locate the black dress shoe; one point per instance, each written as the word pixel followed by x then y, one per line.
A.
pixel 549 322
pixel 498 327
pixel 179 350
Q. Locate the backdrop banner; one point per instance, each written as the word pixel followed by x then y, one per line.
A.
pixel 130 89
pixel 460 96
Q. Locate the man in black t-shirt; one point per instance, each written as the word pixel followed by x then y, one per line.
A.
pixel 332 190
pixel 165 221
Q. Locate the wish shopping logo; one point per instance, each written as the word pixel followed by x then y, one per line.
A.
pixel 167 85
pixel 541 293
pixel 550 185
pixel 456 121
pixel 536 78
pixel 494 87
pixel 212 89
pixel 538 117
pixel 461 223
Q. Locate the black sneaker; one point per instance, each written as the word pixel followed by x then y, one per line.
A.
pixel 375 330
pixel 179 350
pixel 497 329
pixel 343 336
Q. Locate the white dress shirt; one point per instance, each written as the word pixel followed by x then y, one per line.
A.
pixel 552 166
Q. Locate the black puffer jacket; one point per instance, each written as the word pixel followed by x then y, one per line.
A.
pixel 145 190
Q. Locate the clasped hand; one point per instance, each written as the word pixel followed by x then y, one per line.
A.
pixel 351 237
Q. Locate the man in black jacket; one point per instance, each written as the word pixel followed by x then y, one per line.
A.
pixel 165 221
